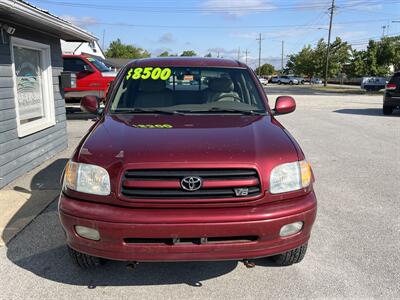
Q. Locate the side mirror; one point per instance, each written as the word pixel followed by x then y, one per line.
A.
pixel 90 104
pixel 284 105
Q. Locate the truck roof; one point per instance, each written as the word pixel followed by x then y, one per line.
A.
pixel 187 62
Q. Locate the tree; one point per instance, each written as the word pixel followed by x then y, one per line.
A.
pixel 377 59
pixel 164 54
pixel 189 53
pixel 302 63
pixel 208 54
pixel 311 61
pixel 339 55
pixel 388 52
pixel 358 65
pixel 119 50
pixel 266 69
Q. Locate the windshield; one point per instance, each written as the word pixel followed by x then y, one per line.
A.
pixel 98 64
pixel 187 90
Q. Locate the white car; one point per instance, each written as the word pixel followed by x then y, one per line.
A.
pixel 373 83
pixel 274 79
pixel 262 80
pixel 287 80
pixel 315 80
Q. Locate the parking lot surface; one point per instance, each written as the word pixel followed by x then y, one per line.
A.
pixel 353 251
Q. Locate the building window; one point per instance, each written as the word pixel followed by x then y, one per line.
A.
pixel 33 86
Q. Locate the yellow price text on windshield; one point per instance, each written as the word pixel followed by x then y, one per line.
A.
pixel 148 73
pixel 151 126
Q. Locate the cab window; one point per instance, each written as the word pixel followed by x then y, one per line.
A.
pixel 75 65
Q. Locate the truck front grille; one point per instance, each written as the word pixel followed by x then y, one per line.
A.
pixel 234 184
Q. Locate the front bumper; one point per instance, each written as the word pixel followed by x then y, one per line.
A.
pixel 117 224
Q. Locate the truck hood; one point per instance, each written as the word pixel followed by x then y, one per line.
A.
pixel 211 139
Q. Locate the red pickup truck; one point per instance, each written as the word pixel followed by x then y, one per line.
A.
pixel 173 171
pixel 92 77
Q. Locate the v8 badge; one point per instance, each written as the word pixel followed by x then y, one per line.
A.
pixel 241 192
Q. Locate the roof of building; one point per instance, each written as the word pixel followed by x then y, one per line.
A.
pixel 24 13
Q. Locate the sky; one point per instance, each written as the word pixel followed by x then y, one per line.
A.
pixel 223 26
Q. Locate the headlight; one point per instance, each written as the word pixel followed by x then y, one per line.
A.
pixel 290 177
pixel 86 178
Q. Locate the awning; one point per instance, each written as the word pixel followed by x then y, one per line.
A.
pixel 21 12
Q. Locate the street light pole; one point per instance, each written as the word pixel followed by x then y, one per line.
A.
pixel 329 43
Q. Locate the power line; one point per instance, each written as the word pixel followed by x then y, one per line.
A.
pixel 207 9
pixel 307 25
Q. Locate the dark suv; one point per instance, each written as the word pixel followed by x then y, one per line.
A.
pixel 391 100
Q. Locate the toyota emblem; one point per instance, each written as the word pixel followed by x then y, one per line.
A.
pixel 191 183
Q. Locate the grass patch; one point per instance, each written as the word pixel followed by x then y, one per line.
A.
pixel 345 90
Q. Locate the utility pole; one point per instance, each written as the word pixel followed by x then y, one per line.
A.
pixel 283 43
pixel 329 43
pixel 239 53
pixel 246 55
pixel 259 39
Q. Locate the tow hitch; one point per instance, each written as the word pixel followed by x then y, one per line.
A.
pixel 249 263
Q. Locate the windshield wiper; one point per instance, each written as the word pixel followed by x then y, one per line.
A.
pixel 147 110
pixel 234 110
pixel 227 110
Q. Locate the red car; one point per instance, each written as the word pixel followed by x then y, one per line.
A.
pixel 93 77
pixel 187 172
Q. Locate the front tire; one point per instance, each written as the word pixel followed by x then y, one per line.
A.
pixel 387 110
pixel 85 261
pixel 279 82
pixel 291 257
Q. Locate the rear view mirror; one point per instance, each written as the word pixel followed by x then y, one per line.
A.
pixel 284 105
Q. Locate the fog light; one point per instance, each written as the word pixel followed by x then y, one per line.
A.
pixel 291 228
pixel 87 233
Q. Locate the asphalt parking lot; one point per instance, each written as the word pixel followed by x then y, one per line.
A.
pixel 353 251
